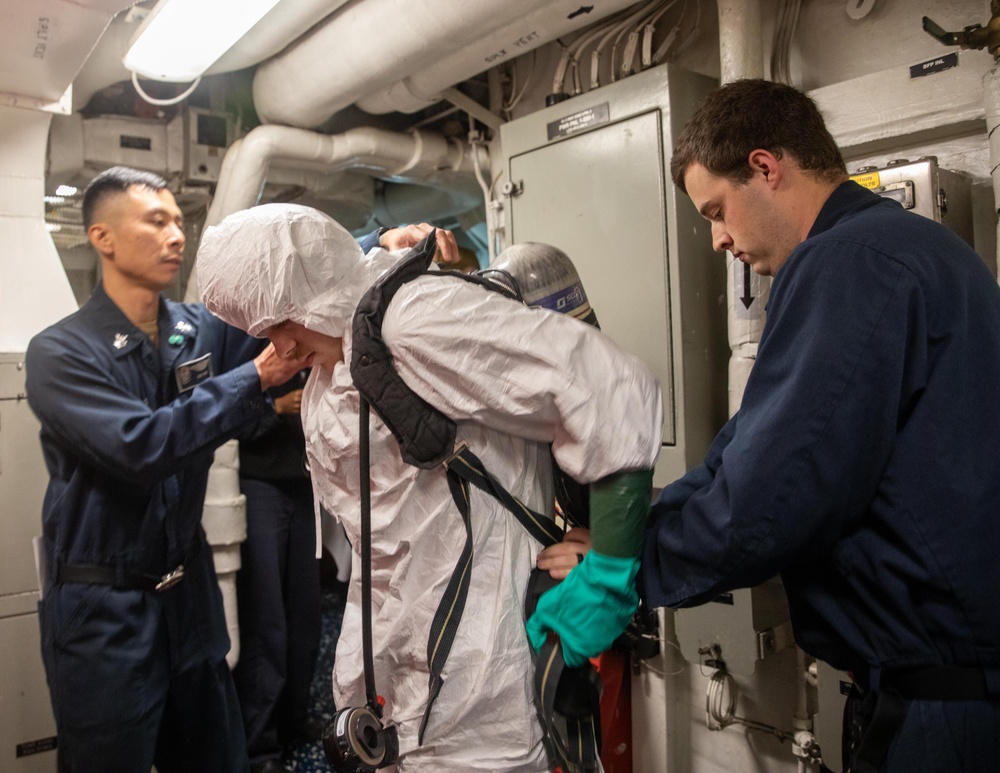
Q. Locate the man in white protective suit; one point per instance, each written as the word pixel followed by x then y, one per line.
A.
pixel 517 382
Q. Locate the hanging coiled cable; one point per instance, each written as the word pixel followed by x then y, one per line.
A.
pixel 720 700
pixel 720 705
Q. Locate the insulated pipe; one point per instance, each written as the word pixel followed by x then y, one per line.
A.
pixel 741 55
pixel 354 52
pixel 224 518
pixel 542 25
pixel 741 46
pixel 417 155
pixel 230 161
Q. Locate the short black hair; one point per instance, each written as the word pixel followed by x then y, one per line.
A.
pixel 748 114
pixel 110 182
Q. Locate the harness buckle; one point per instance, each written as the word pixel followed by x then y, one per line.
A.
pixel 463 446
pixel 170 579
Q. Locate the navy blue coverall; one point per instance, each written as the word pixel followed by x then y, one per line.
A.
pixel 864 466
pixel 137 676
pixel 278 587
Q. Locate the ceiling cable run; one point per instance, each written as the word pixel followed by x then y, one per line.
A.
pixel 569 61
pixel 636 27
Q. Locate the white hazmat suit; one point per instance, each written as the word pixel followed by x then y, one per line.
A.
pixel 515 380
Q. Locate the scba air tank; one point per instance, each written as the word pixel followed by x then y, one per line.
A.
pixel 543 276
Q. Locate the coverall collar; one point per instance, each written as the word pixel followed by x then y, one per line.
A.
pixel 177 329
pixel 117 331
pixel 847 198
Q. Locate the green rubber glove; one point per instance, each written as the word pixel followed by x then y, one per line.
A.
pixel 589 609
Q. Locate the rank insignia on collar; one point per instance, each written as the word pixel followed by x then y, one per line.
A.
pixel 184 327
pixel 121 341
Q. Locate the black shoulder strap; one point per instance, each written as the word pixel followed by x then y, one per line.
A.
pixel 425 435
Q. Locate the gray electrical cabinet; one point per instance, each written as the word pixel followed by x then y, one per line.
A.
pixel 27 728
pixel 926 189
pixel 590 175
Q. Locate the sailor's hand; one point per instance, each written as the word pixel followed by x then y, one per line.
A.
pixel 290 402
pixel 275 370
pixel 589 609
pixel 560 558
pixel 411 235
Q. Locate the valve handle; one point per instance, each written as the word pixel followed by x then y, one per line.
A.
pixel 939 33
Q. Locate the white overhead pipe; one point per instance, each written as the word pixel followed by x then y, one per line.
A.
pixel 356 51
pixel 416 155
pixel 542 25
pixel 741 44
pixel 217 210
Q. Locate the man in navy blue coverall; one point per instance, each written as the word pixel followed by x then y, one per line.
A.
pixel 863 462
pixel 134 393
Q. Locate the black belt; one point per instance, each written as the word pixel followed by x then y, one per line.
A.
pixel 937 683
pixel 871 723
pixel 122 578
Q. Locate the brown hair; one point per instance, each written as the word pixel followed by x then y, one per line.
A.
pixel 748 114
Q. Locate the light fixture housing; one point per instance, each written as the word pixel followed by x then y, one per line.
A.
pixel 180 39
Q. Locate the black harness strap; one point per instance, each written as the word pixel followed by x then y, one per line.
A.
pixel 444 626
pixel 466 465
pixel 570 698
pixel 366 563
pixel 465 468
pixel 122 578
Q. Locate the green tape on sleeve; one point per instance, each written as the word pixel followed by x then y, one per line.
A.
pixel 619 507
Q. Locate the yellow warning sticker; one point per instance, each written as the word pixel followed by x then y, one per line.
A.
pixel 868 179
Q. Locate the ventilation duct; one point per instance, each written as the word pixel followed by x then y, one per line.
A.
pixel 542 25
pixel 354 52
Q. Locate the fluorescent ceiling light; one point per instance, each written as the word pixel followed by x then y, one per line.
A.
pixel 180 39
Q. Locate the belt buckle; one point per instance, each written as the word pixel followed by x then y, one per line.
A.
pixel 170 579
